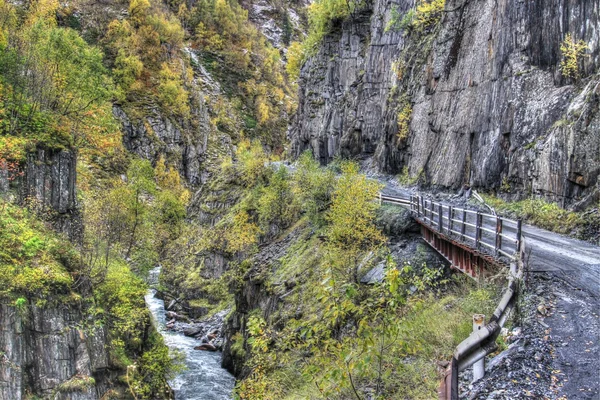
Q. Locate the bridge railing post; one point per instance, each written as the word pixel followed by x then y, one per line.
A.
pixel 431 212
pixel 450 219
pixel 441 217
pixel 479 366
pixel 463 226
pixel 519 233
pixel 498 234
pixel 477 230
pixel 423 207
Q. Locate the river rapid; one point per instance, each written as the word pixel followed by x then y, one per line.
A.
pixel 203 379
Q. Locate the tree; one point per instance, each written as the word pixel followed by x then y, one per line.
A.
pixel 140 178
pixel 52 78
pixel 295 59
pixel 277 204
pixel 138 9
pixel 171 93
pixel 313 186
pixel 572 52
pixel 351 230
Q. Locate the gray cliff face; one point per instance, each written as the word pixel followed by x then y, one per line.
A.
pixel 181 143
pixel 489 105
pixel 48 185
pixel 49 353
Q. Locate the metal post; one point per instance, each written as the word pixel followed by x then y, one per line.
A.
pixel 450 219
pixel 463 226
pixel 454 380
pixel 479 366
pixel 498 234
pixel 477 229
pixel 441 217
pixel 379 198
pixel 431 211
pixel 519 226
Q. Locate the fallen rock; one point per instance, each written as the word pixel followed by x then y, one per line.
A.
pixel 543 309
pixel 171 314
pixel 171 304
pixel 182 318
pixel 193 330
pixel 206 347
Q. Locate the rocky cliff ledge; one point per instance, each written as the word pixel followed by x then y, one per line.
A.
pixel 489 106
pixel 48 185
pixel 180 142
pixel 51 353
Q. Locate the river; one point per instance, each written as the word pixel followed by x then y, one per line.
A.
pixel 204 379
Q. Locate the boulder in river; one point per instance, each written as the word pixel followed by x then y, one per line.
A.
pixel 171 314
pixel 206 347
pixel 182 318
pixel 193 330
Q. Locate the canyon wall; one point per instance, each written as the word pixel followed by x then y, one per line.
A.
pixel 490 107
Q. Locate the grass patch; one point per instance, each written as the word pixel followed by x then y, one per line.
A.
pixel 33 260
pixel 292 363
pixel 78 383
pixel 538 212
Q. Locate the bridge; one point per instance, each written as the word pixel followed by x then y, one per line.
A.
pixel 471 241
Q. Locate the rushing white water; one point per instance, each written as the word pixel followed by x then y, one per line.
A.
pixel 204 379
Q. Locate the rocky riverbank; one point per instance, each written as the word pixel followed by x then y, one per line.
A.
pixel 203 378
pixel 207 331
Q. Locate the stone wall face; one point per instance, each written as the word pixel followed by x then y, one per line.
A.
pixel 179 142
pixel 490 107
pixel 45 349
pixel 48 185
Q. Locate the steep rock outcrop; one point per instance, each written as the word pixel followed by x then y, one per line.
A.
pixel 49 352
pixel 254 294
pixel 489 105
pixel 280 22
pixel 48 185
pixel 181 143
pixel 269 287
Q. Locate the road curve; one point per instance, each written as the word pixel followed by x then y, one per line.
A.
pixel 575 261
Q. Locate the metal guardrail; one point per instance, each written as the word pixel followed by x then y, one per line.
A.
pixel 487 233
pixel 483 342
pixel 475 233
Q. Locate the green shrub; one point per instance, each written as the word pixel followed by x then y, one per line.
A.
pixel 148 376
pixel 403 120
pixel 295 59
pixel 405 179
pixel 539 212
pixel 572 52
pixel 424 17
pixel 28 264
pixel 428 14
pixel 78 383
pixel 277 203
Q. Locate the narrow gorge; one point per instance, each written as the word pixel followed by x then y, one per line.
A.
pixel 193 198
